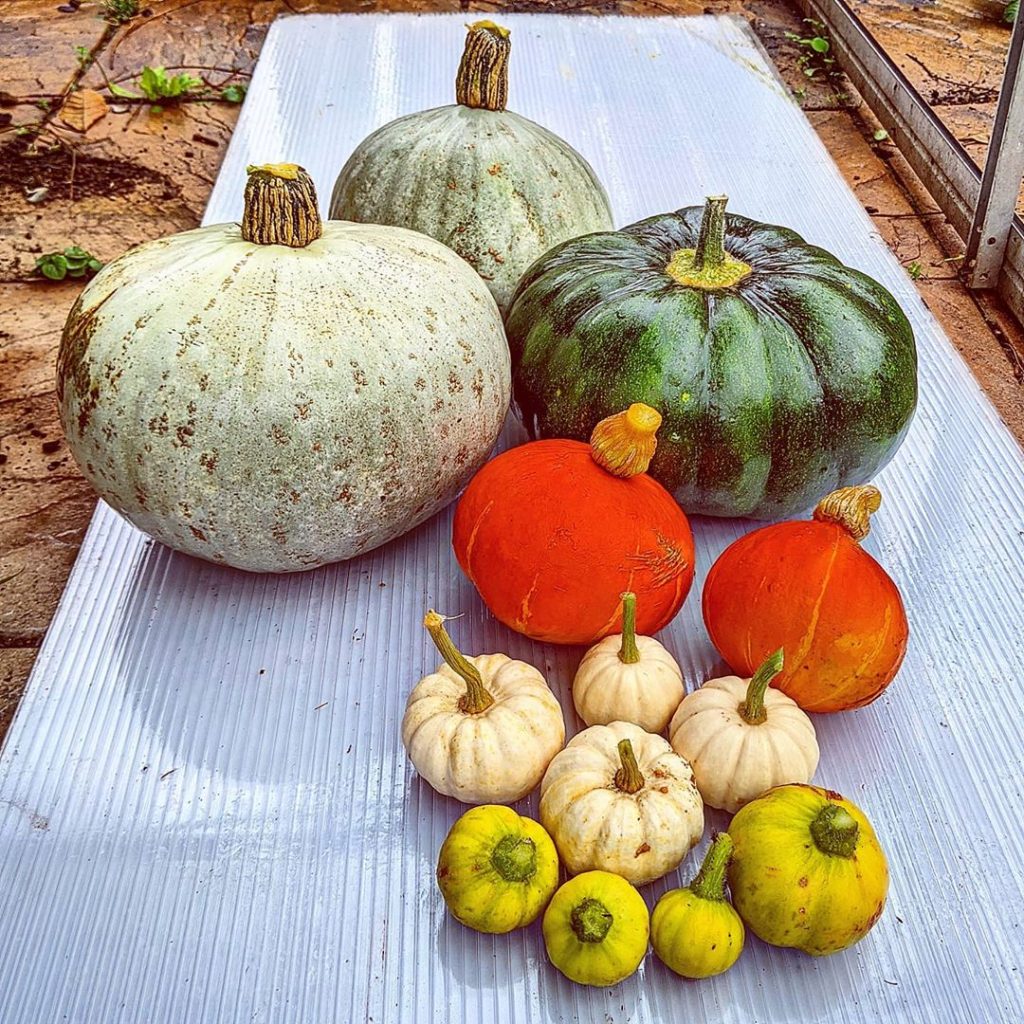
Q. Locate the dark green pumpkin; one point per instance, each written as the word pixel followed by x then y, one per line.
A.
pixel 781 374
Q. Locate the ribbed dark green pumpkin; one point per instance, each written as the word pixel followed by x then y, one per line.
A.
pixel 796 380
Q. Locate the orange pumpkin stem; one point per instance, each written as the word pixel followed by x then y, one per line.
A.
pixel 624 444
pixel 476 698
pixel 628 778
pixel 850 508
pixel 752 709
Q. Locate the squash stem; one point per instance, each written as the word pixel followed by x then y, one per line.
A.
pixel 835 831
pixel 482 79
pixel 515 858
pixel 752 709
pixel 710 251
pixel 591 920
pixel 628 653
pixel 280 206
pixel 709 882
pixel 850 508
pixel 624 443
pixel 628 778
pixel 476 698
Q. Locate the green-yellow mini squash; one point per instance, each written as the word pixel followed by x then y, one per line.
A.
pixel 494 186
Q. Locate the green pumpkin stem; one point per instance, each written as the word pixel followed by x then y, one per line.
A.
pixel 515 858
pixel 835 831
pixel 752 709
pixel 476 698
pixel 628 778
pixel 591 920
pixel 710 251
pixel 709 882
pixel 482 79
pixel 628 653
pixel 708 266
pixel 280 206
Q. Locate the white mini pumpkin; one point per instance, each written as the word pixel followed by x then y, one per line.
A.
pixel 628 678
pixel 496 187
pixel 743 737
pixel 481 729
pixel 620 799
pixel 280 394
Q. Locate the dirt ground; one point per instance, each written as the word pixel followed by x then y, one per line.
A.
pixel 137 173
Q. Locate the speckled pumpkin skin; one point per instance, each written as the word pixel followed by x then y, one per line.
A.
pixel 494 186
pixel 277 409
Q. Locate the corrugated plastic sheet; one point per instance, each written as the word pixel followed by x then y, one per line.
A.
pixel 206 814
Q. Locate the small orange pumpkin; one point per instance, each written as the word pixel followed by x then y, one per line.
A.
pixel 552 533
pixel 809 587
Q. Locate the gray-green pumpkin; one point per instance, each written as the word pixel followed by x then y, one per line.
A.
pixel 492 185
pixel 280 394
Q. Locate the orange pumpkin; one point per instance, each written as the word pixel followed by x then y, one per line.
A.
pixel 809 587
pixel 552 533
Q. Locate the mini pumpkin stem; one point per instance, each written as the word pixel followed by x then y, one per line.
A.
pixel 476 698
pixel 482 80
pixel 709 882
pixel 752 708
pixel 623 444
pixel 280 206
pixel 628 653
pixel 591 920
pixel 710 251
pixel 628 778
pixel 515 858
pixel 835 831
pixel 851 508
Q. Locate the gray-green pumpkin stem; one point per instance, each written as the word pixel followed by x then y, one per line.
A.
pixel 591 920
pixel 752 709
pixel 515 858
pixel 709 882
pixel 476 698
pixel 835 831
pixel 710 251
pixel 628 653
pixel 482 79
pixel 280 206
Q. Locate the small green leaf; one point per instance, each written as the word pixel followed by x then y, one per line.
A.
pixel 156 109
pixel 819 45
pixel 53 266
pixel 76 252
pixel 233 93
pixel 880 135
pixel 94 266
pixel 120 90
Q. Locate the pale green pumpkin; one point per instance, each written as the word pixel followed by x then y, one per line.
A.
pixel 492 185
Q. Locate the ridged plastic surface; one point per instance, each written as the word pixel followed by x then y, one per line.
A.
pixel 206 814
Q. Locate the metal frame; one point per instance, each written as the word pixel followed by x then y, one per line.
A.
pixel 975 210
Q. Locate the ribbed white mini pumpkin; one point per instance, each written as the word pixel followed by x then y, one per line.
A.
pixel 743 737
pixel 628 678
pixel 620 799
pixel 496 187
pixel 280 394
pixel 481 729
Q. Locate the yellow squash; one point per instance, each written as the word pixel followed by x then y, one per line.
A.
pixel 596 929
pixel 497 870
pixel 807 869
pixel 695 930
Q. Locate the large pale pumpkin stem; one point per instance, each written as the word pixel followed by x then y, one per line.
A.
pixel 752 709
pixel 628 778
pixel 835 831
pixel 708 266
pixel 709 883
pixel 515 858
pixel 851 508
pixel 591 920
pixel 628 653
pixel 476 698
pixel 482 80
pixel 280 206
pixel 624 443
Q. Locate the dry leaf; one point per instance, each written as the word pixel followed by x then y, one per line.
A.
pixel 82 109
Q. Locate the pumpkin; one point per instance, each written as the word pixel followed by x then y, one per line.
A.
pixel 551 533
pixel 620 799
pixel 495 187
pixel 596 929
pixel 807 869
pixel 628 678
pixel 742 737
pixel 482 729
pixel 781 373
pixel 695 931
pixel 811 587
pixel 496 870
pixel 281 394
